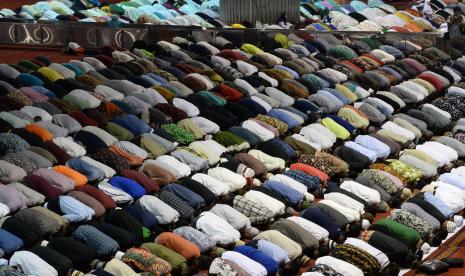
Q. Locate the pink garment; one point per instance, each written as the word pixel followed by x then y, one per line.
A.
pixel 33 95
pixel 267 126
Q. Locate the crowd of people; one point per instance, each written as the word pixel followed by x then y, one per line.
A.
pixel 327 15
pixel 218 158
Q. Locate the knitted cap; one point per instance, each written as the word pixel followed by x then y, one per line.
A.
pixel 239 243
pixel 450 226
pixel 252 231
pixel 289 210
pixel 406 193
pixel 365 224
pixel 218 251
pixel 383 206
pixel 425 247
pixel 458 220
pixel 309 197
pixel 331 244
pixel 119 255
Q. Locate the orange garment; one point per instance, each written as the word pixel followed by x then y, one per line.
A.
pixel 352 65
pixel 165 93
pixel 40 132
pixel 413 27
pixel 79 179
pixel 179 245
pixel 111 109
pixel 310 170
pixel 414 12
pixel 132 159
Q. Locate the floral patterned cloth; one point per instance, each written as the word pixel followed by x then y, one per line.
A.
pixel 145 261
pixel 382 180
pixel 409 219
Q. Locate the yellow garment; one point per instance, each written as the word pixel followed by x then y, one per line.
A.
pixel 405 124
pixel 165 93
pixel 283 40
pixel 336 128
pixel 346 92
pixel 213 76
pixel 237 26
pixel 251 49
pixel 353 117
pixel 403 16
pixel 392 135
pixel 50 74
pixel 118 268
pixel 428 86
pixel 189 125
pixel 421 155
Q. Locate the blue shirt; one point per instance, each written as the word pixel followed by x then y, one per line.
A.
pixel 92 173
pixel 323 220
pixel 338 95
pixel 102 243
pixel 44 91
pixel 157 78
pixel 293 196
pixel 9 243
pixel 190 197
pixel 453 179
pixel 335 100
pixel 128 185
pixel 439 204
pixel 133 124
pixel 270 265
pixel 296 112
pixel 382 150
pixel 273 251
pixel 306 106
pixel 74 210
pixel 146 218
pixel 312 182
pixel 284 116
pixel 367 152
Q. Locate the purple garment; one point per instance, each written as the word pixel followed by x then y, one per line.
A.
pixel 59 181
pixel 267 126
pixel 12 198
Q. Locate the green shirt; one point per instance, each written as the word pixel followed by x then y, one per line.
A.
pixel 404 233
pixel 173 258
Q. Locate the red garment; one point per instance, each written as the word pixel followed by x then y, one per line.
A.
pixel 100 196
pixel 41 185
pixel 83 119
pixel 108 61
pixel 187 68
pixel 310 170
pixel 229 93
pixel 149 184
pixel 230 54
pixel 434 81
pixel 61 155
